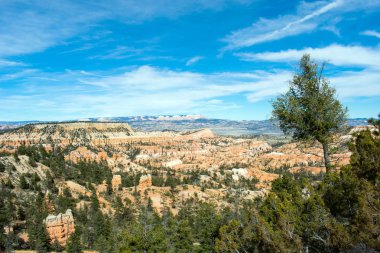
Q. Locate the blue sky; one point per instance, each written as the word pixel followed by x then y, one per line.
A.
pixel 71 59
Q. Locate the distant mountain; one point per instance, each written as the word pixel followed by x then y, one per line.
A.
pixel 182 117
pixel 187 122
pixel 4 125
pixel 358 122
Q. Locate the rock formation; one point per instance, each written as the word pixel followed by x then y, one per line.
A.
pixel 60 227
pixel 145 182
pixel 204 133
pixel 116 182
pixel 67 133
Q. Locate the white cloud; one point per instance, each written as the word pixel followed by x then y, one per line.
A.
pixel 148 90
pixel 143 90
pixel 349 84
pixel 371 33
pixel 33 26
pixel 193 60
pixel 338 55
pixel 309 17
pixel 17 75
pixel 273 29
pixel 120 52
pixel 7 63
pixel 27 27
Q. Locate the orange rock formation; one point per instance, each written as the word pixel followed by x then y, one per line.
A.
pixel 145 182
pixel 60 227
pixel 116 182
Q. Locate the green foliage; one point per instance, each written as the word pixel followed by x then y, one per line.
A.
pixel 145 236
pixel 365 159
pixel 133 153
pixel 49 183
pixel 337 213
pixel 82 172
pixel 158 180
pixel 376 123
pixel 341 194
pixel 34 182
pixel 56 247
pixel 4 153
pixel 123 211
pixel 23 183
pixel 109 190
pixel 15 156
pixel 172 181
pixel 74 245
pixel 309 110
pixel 230 238
pixel 92 172
pixel 32 162
pixel 130 179
pixel 95 227
pixel 9 184
pixel 2 166
pixel 7 215
pixel 30 151
pixel 38 236
pixel 65 201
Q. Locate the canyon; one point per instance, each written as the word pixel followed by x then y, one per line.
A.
pixel 163 168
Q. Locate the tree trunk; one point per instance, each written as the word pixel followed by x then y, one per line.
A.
pixel 326 156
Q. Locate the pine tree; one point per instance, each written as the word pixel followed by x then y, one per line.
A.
pixel 309 110
pixel 376 123
pixel 23 183
pixel 4 215
pixel 38 236
pixel 2 166
pixel 365 159
pixel 74 245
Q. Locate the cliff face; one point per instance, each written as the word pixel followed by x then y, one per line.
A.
pixel 145 182
pixel 116 182
pixel 67 133
pixel 60 227
pixel 88 134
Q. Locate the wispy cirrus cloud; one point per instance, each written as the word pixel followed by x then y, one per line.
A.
pixel 143 90
pixel 28 27
pixel 120 52
pixel 349 83
pixel 273 29
pixel 17 74
pixel 194 60
pixel 33 26
pixel 147 90
pixel 354 84
pixel 7 63
pixel 371 33
pixel 335 54
pixel 309 17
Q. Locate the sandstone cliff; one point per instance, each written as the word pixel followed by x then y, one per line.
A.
pixel 66 133
pixel 60 227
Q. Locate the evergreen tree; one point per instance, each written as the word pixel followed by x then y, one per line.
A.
pixel 2 166
pixel 4 215
pixel 309 110
pixel 38 236
pixel 74 245
pixel 365 159
pixel 23 183
pixel 376 123
pixel 109 186
pixel 55 246
pixel 9 184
